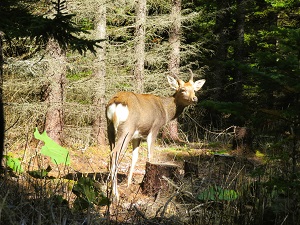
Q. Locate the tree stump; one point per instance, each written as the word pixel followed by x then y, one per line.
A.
pixel 190 169
pixel 242 141
pixel 153 181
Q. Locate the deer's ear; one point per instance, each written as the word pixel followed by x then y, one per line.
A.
pixel 198 84
pixel 173 82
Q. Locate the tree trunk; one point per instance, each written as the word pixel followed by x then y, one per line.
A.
pixel 55 91
pixel 243 141
pixel 140 45
pixel 222 31
pixel 190 169
pixel 170 131
pixel 2 121
pixel 174 38
pixel 239 50
pixel 99 122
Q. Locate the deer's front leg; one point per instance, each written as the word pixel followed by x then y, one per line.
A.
pixel 151 142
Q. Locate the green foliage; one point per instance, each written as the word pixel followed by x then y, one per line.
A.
pixel 57 153
pixel 64 31
pixel 79 75
pixel 14 163
pixel 216 193
pixel 41 173
pixel 236 109
pixel 88 194
pixel 281 3
pixel 86 24
pixel 17 21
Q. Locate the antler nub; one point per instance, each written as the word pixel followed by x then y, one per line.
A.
pixel 174 75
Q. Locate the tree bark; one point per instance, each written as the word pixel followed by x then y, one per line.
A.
pixel 222 31
pixel 170 131
pixel 190 169
pixel 155 181
pixel 2 120
pixel 239 50
pixel 140 45
pixel 174 37
pixel 55 91
pixel 99 122
pixel 243 140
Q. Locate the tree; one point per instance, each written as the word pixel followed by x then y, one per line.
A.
pixel 171 130
pixel 55 91
pixel 174 38
pixel 140 11
pixel 58 41
pixel 239 49
pixel 99 121
pixel 2 122
pixel 222 25
pixel 21 22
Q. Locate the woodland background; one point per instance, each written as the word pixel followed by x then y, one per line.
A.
pixel 61 61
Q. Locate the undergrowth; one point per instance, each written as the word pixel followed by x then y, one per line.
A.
pixel 220 189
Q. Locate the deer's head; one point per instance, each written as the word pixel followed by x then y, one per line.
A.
pixel 185 91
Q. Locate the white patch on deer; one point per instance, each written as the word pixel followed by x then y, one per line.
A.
pixel 117 112
pixel 122 112
pixel 110 111
pixel 136 135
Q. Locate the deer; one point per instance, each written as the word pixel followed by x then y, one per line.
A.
pixel 133 117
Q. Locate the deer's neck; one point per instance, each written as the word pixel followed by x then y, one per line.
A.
pixel 172 107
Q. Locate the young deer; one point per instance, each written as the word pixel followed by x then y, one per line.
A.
pixel 132 116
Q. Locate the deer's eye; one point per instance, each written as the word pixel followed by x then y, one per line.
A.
pixel 182 89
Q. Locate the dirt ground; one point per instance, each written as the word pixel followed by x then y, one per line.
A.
pixel 220 169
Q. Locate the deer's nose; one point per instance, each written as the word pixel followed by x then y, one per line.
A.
pixel 195 99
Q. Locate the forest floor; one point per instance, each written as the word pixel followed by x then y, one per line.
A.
pixel 215 167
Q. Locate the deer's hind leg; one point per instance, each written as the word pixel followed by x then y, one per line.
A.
pixel 119 148
pixel 111 134
pixel 135 155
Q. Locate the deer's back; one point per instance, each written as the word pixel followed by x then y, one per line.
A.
pixel 143 111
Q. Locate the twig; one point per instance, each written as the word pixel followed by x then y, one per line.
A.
pixel 211 132
pixel 13 124
pixel 162 214
pixel 167 203
pixel 195 209
pixel 139 212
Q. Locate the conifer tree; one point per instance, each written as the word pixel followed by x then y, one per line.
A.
pixel 54 32
pixel 140 23
pixel 99 121
pixel 171 130
pixel 2 122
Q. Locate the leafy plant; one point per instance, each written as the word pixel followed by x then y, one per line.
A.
pixel 42 173
pixel 88 193
pixel 57 153
pixel 14 163
pixel 216 193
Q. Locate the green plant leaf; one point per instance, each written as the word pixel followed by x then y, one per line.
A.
pixel 217 194
pixel 14 163
pixel 42 173
pixel 57 153
pixel 88 194
pixel 80 204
